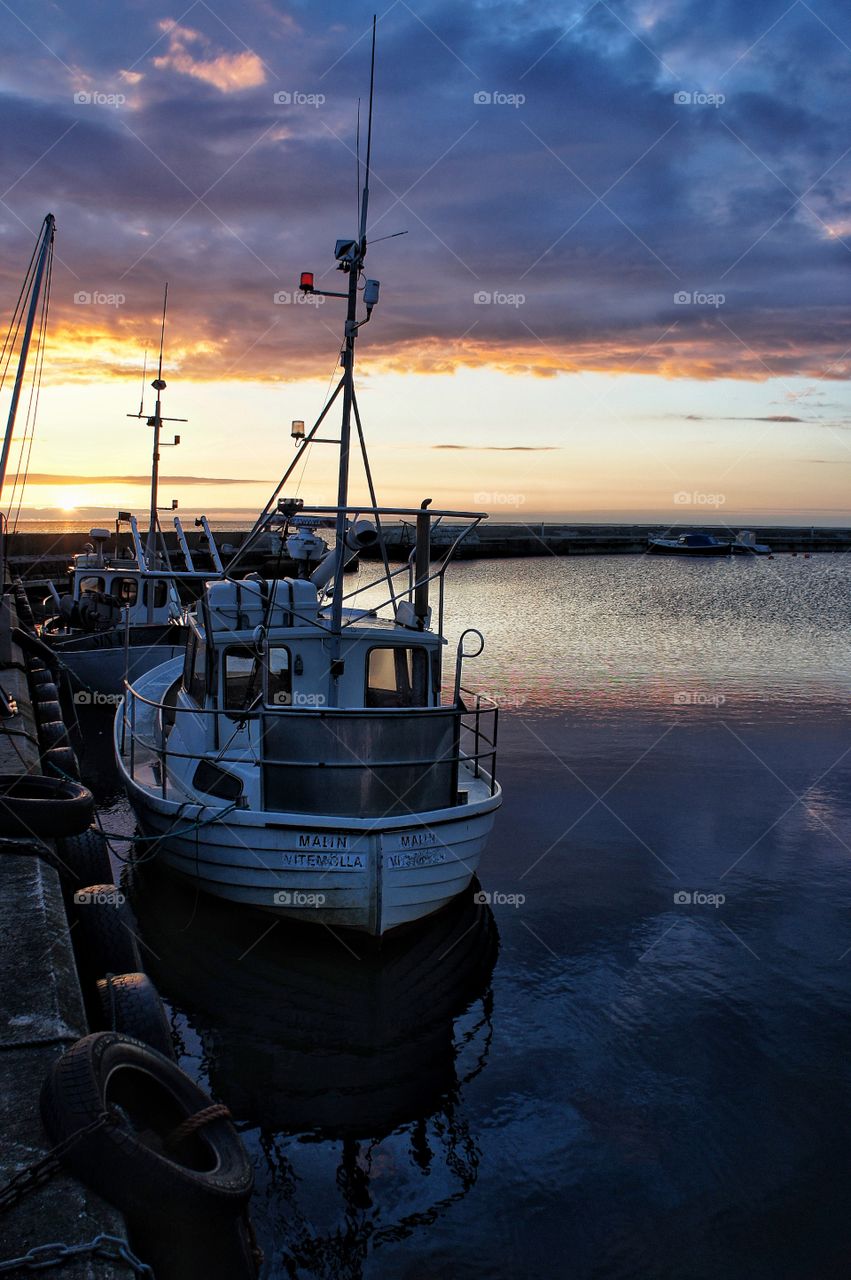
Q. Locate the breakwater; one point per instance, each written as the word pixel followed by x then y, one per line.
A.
pixel 47 555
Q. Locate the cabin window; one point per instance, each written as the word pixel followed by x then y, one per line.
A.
pixel 198 680
pixel 280 686
pixel 397 677
pixel 126 590
pixel 241 678
pixel 91 584
pixel 160 590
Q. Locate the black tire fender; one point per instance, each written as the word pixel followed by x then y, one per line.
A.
pixel 60 762
pixel 106 932
pixel 31 805
pixel 128 1161
pixel 130 1003
pixel 83 859
pixel 53 733
pixel 47 709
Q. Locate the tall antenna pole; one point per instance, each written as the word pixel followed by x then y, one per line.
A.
pixel 47 233
pixel 156 422
pixel 348 360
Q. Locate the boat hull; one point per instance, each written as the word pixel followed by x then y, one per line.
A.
pixel 672 549
pixel 352 874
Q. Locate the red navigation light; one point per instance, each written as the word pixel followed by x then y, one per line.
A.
pixel 306 281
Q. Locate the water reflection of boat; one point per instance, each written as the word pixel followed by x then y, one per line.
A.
pixel 304 1034
pixel 350 1065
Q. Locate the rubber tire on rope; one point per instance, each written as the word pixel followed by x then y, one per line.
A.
pixel 40 675
pixel 131 1003
pixel 46 691
pixel 83 859
pixel 47 710
pixel 106 931
pixel 60 762
pixel 52 733
pixel 31 805
pixel 127 1163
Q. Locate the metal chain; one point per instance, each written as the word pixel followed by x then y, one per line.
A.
pixel 43 1170
pixel 44 1256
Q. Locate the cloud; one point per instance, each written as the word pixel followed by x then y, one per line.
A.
pixel 43 477
pixel 595 217
pixel 501 448
pixel 227 72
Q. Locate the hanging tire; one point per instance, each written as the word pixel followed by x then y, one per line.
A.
pixel 61 762
pixel 40 676
pixel 47 710
pixel 47 808
pixel 106 931
pixel 52 733
pixel 46 690
pixel 83 859
pixel 131 1004
pixel 130 1162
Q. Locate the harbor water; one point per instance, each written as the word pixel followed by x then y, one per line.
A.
pixel 626 1056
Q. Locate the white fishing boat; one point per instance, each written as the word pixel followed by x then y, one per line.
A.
pixel 306 756
pixel 122 614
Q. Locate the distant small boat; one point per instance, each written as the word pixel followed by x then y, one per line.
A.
pixel 689 544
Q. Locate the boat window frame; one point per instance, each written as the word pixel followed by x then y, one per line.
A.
pixel 119 578
pixel 267 674
pixel 100 579
pixel 160 586
pixel 409 647
pixel 245 650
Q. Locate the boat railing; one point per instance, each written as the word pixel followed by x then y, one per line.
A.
pixel 345 755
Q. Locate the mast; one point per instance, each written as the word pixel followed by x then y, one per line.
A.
pixel 353 262
pixel 46 237
pixel 156 422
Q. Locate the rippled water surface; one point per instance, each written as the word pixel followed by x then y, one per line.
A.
pixel 634 1060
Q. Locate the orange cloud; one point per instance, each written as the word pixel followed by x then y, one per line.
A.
pixel 227 72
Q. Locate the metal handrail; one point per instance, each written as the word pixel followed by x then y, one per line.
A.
pixel 157 745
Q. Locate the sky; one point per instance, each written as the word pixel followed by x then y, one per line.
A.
pixel 622 291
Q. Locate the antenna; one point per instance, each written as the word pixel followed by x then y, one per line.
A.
pixel 357 153
pixel 162 335
pixel 144 374
pixel 365 200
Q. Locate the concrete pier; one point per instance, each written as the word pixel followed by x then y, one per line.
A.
pixel 41 1014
